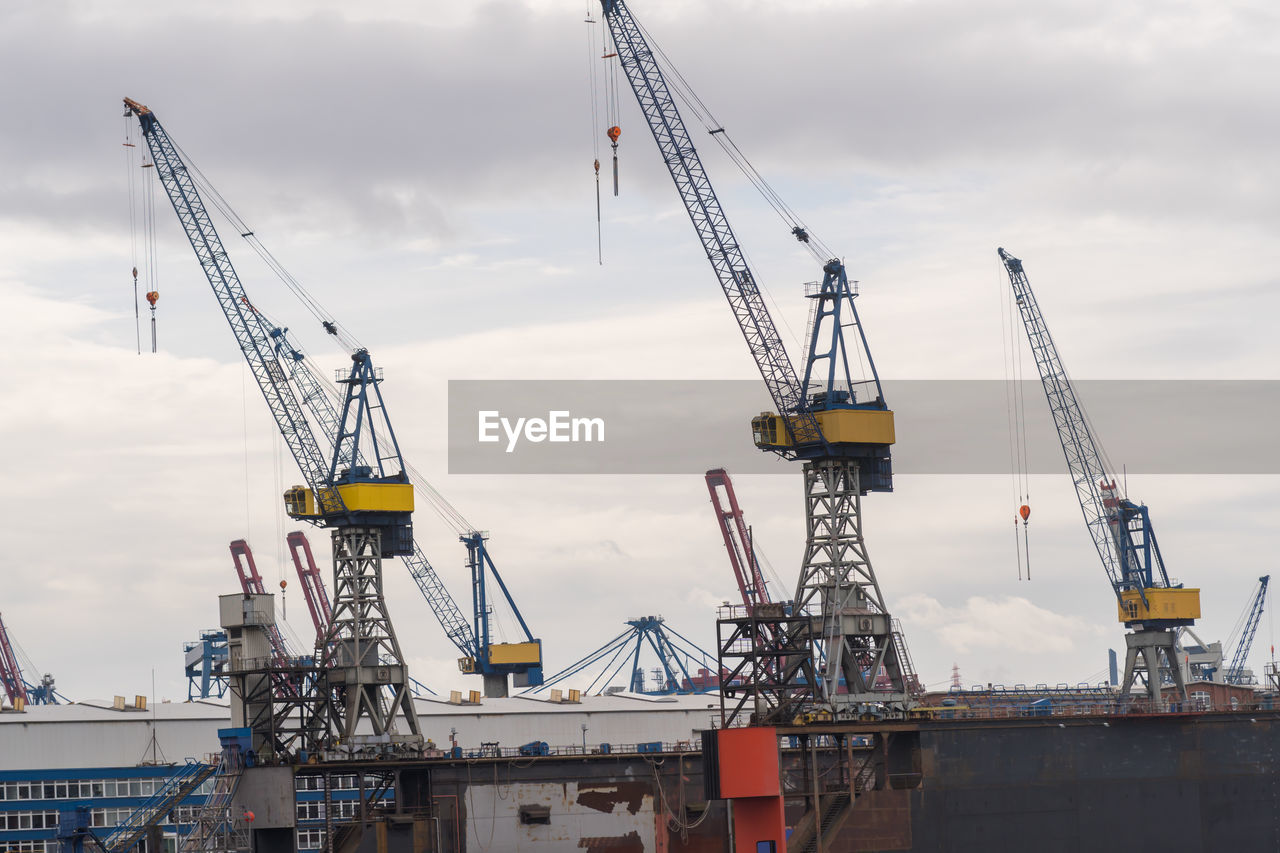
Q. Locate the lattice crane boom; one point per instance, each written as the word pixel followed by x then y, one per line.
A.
pixel 311 580
pixel 708 217
pixel 275 363
pixel 737 540
pixel 1235 672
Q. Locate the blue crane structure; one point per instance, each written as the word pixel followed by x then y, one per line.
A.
pixel 682 666
pixel 1236 669
pixel 839 427
pixel 368 507
pixel 327 451
pixel 207 660
pixel 16 688
pixel 1149 605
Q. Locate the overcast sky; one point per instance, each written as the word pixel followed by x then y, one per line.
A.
pixel 425 169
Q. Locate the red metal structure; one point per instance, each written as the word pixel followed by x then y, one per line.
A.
pixel 251 583
pixel 10 673
pixel 737 540
pixel 312 582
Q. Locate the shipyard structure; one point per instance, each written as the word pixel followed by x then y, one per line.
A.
pixel 637 773
pixel 818 736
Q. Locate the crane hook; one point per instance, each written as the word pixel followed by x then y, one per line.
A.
pixel 613 133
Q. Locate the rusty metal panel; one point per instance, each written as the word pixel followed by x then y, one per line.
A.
pixel 879 820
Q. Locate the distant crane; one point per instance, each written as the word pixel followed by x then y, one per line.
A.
pixel 207 660
pixel 315 431
pixel 683 667
pixel 737 540
pixel 20 691
pixel 1236 669
pixel 840 428
pixel 1148 604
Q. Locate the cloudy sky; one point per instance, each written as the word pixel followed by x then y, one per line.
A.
pixel 425 170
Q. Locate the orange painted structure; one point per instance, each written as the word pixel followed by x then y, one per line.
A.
pixel 748 774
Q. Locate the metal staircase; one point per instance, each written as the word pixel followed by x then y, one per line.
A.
pixel 175 789
pixel 216 828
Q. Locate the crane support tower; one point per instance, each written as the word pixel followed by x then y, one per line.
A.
pixel 359 490
pixel 840 429
pixel 1147 604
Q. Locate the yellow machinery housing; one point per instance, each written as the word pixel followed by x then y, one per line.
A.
pixel 300 502
pixel 839 426
pixel 506 654
pixel 1180 605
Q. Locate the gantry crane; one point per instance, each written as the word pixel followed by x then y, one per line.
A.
pixel 1236 669
pixel 839 428
pixel 19 691
pixel 1149 605
pixel 294 393
pixel 737 540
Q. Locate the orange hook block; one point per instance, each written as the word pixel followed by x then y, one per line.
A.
pixel 153 296
pixel 613 133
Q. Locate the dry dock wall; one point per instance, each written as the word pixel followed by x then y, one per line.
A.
pixel 1201 783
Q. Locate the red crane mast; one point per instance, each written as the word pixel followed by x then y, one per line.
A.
pixel 737 540
pixel 312 582
pixel 251 584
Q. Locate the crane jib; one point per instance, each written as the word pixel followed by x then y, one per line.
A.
pixel 709 220
pixel 254 338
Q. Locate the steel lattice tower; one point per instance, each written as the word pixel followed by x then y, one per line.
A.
pixel 849 623
pixel 362 672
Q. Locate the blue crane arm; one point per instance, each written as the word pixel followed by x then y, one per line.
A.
pixel 710 222
pixel 275 362
pixel 1235 672
pixel 251 332
pixel 1121 530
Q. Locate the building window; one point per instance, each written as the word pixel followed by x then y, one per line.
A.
pixel 310 839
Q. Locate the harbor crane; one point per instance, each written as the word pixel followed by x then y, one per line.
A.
pixel 841 430
pixel 1236 669
pixel 311 423
pixel 19 691
pixel 1148 604
pixel 359 491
